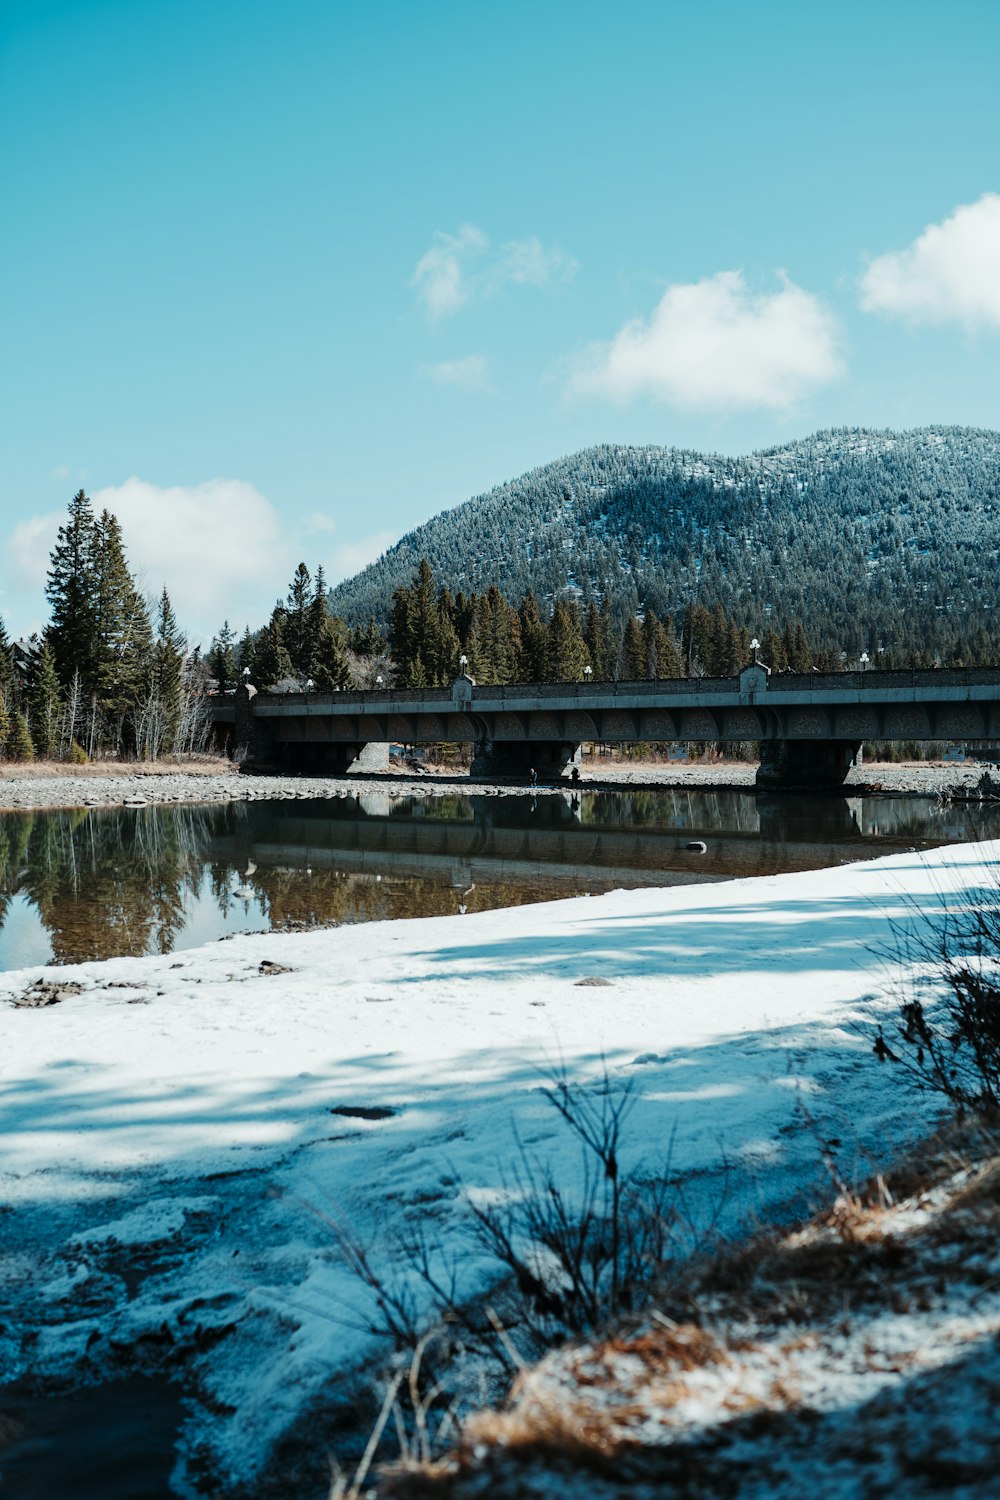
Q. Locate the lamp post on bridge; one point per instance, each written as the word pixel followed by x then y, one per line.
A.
pixel 864 659
pixel 588 673
pixel 463 662
pixel 754 651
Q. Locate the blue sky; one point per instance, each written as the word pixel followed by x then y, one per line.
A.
pixel 283 280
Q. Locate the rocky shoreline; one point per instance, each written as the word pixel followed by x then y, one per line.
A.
pixel 22 793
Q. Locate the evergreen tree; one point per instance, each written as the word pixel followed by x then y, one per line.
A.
pixel 19 744
pixel 247 652
pixel 123 644
pixel 8 677
pixel 597 638
pixel 272 663
pixel 633 652
pixel 168 652
pixel 71 590
pixel 302 627
pixel 317 617
pixel 368 641
pixel 222 658
pixel 772 651
pixel 797 648
pixel 330 668
pixel 567 655
pixel 533 652
pixel 45 705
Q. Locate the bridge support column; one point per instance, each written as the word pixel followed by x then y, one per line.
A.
pixel 515 759
pixel 805 765
pixel 321 758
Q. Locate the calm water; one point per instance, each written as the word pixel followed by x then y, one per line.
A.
pixel 97 883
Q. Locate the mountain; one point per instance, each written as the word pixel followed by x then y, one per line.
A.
pixel 872 539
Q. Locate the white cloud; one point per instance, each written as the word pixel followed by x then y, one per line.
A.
pixel 453 269
pixel 469 374
pixel 220 547
pixel 714 343
pixel 441 276
pixel 950 273
pixel 528 262
pixel 350 557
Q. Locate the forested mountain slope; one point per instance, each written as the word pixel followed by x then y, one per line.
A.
pixel 872 539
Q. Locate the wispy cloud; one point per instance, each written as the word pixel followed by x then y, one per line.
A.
pixel 469 374
pixel 528 262
pixel 714 343
pixel 441 277
pixel 350 557
pixel 458 266
pixel 950 273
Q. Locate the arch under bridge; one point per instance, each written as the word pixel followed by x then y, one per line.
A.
pixel 810 727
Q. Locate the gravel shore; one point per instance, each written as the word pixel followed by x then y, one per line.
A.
pixel 140 789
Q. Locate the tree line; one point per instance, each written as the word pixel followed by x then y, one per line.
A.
pixel 109 673
pixel 433 634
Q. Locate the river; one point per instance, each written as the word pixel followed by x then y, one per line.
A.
pixel 98 883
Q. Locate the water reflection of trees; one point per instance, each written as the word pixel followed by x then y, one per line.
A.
pixel 105 883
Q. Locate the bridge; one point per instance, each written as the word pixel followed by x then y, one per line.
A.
pixel 810 727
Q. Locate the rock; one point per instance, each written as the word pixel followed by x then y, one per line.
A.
pixel 46 992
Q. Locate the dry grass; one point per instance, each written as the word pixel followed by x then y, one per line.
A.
pixel 666 1405
pixel 49 770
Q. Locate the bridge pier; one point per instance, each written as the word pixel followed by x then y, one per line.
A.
pixel 805 765
pixel 550 759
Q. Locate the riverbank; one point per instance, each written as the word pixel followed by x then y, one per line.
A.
pixel 191 1142
pixel 29 788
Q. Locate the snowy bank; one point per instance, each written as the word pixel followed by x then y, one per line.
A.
pixel 174 1133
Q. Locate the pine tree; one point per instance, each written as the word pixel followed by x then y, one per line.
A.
pixel 317 617
pixel 169 651
pixel 45 705
pixel 222 658
pixel 797 648
pixel 596 635
pixel 533 652
pixel 567 654
pixel 19 744
pixel 246 653
pixel 8 677
pixel 272 663
pixel 634 652
pixel 124 636
pixel 772 651
pixel 302 629
pixel 330 669
pixel 71 590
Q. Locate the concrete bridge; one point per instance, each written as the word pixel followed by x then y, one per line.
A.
pixel 810 728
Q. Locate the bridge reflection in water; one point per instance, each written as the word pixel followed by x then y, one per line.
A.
pixel 95 884
pixel 582 842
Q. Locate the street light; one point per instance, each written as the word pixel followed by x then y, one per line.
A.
pixel 378 680
pixel 755 647
pixel 588 672
pixel 864 661
pixel 309 684
pixel 463 662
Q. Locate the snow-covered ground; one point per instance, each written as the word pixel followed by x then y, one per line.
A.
pixel 176 1135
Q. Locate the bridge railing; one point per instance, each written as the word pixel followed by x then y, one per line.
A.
pixel 814 682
